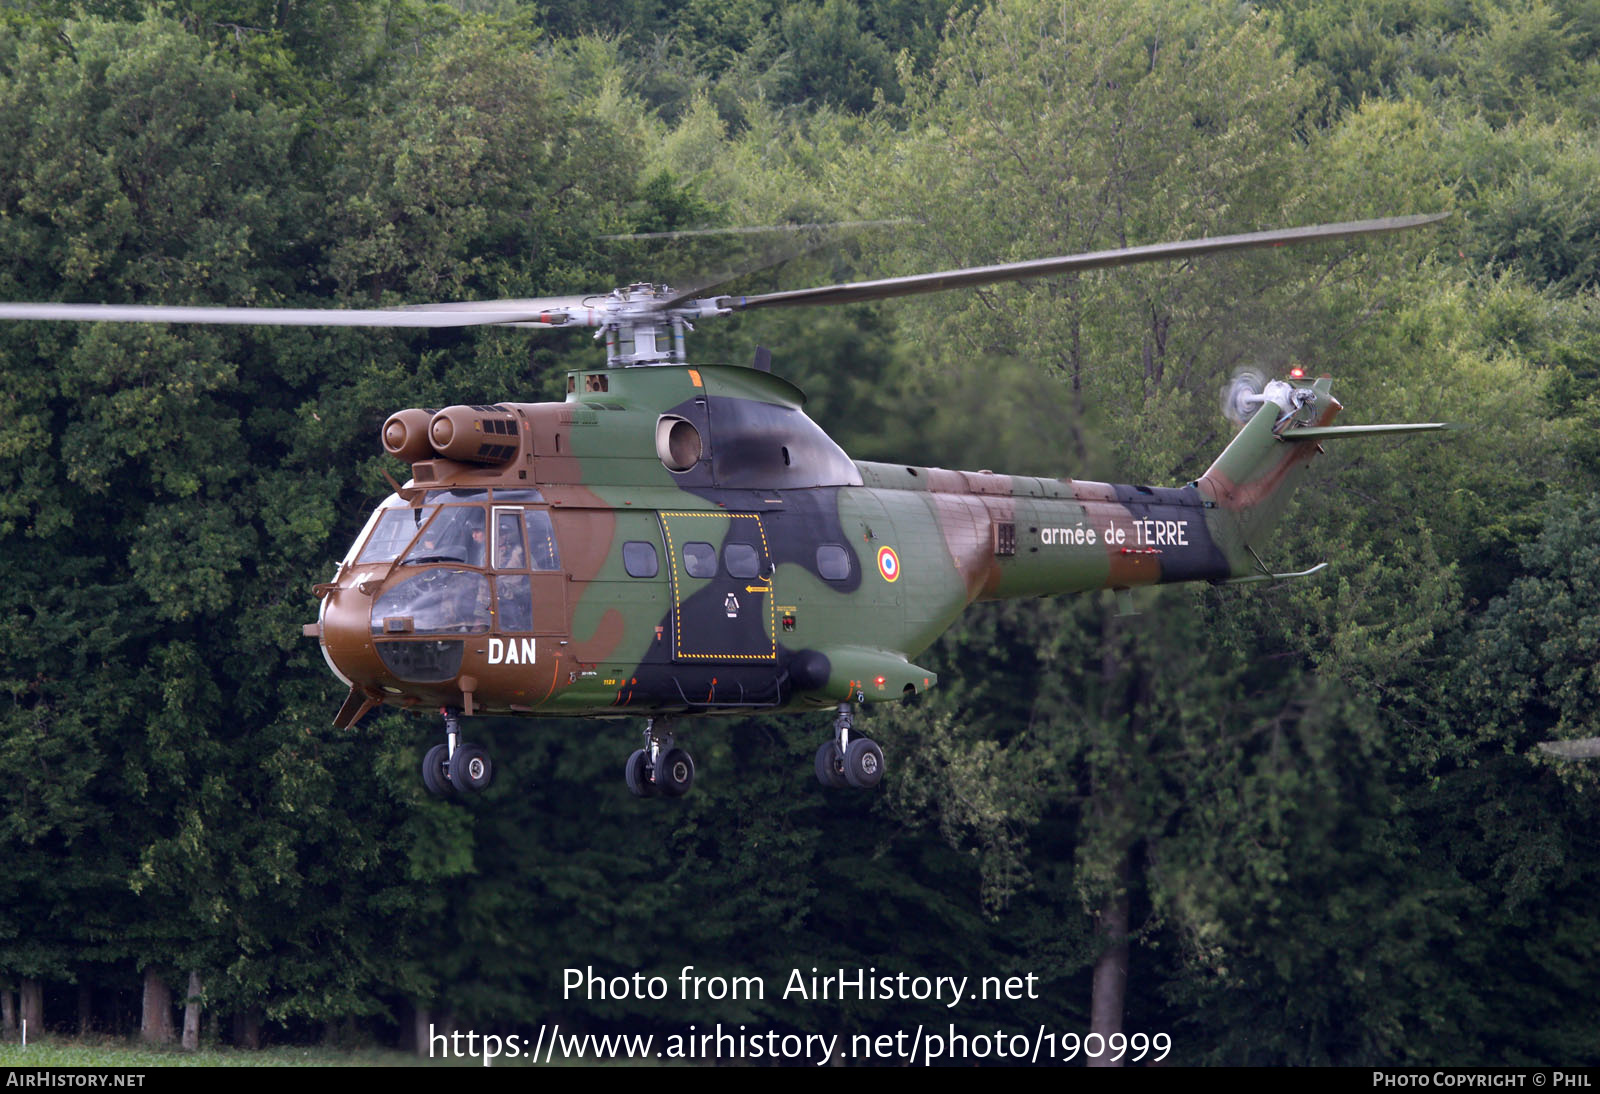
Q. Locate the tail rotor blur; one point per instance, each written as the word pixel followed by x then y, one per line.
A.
pixel 1241 395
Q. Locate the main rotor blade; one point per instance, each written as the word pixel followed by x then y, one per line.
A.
pixel 762 229
pixel 553 311
pixel 772 256
pixel 857 291
pixel 539 311
pixel 816 236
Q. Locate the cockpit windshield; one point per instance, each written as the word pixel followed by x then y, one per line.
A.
pixel 455 535
pixel 458 534
pixel 395 529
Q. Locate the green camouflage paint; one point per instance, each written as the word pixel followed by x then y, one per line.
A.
pixel 718 553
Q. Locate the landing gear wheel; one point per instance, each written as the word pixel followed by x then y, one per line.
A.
pixel 470 769
pixel 433 776
pixel 675 773
pixel 830 766
pixel 863 763
pixel 637 773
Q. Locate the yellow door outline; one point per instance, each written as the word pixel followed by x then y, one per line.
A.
pixel 715 639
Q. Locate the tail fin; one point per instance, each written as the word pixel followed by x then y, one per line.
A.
pixel 1250 483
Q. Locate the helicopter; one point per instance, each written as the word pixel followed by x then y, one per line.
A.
pixel 678 540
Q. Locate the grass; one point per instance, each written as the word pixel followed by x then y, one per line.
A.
pixel 114 1052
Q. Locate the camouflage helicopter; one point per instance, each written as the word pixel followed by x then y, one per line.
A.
pixel 678 540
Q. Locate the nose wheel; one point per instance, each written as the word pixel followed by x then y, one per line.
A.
pixel 660 767
pixel 456 767
pixel 846 760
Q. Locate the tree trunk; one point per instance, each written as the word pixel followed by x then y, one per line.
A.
pixel 8 1014
pixel 32 1008
pixel 421 1019
pixel 1109 992
pixel 191 1015
pixel 1111 967
pixel 156 1025
pixel 246 1029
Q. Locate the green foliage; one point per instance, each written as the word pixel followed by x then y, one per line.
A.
pixel 833 60
pixel 1324 801
pixel 1050 132
pixel 1528 670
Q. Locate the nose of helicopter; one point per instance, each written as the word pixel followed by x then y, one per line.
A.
pixel 346 633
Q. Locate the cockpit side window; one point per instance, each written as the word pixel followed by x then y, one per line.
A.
pixel 542 553
pixel 514 596
pixel 508 550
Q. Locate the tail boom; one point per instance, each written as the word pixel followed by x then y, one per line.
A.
pixel 996 537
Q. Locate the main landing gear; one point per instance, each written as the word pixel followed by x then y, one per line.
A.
pixel 660 767
pixel 846 760
pixel 455 767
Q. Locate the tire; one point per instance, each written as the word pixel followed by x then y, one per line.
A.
pixel 830 766
pixel 470 769
pixel 675 775
pixel 637 774
pixel 863 763
pixel 433 776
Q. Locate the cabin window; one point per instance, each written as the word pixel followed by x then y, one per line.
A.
pixel 639 559
pixel 700 559
pixel 833 562
pixel 742 560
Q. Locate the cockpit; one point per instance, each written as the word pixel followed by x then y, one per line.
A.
pixel 477 557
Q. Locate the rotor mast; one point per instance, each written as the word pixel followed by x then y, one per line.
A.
pixel 638 330
pixel 645 324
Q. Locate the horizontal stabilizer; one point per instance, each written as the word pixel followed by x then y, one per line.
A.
pixel 1328 432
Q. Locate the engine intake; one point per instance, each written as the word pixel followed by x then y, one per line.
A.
pixel 405 435
pixel 468 434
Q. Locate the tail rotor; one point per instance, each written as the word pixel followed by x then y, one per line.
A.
pixel 1242 394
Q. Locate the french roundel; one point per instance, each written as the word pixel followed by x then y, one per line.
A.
pixel 888 564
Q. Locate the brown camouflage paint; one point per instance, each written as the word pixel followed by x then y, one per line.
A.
pixel 621 643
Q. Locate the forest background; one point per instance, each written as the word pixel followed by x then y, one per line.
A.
pixel 1311 822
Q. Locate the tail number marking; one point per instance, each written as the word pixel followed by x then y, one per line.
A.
pixel 512 651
